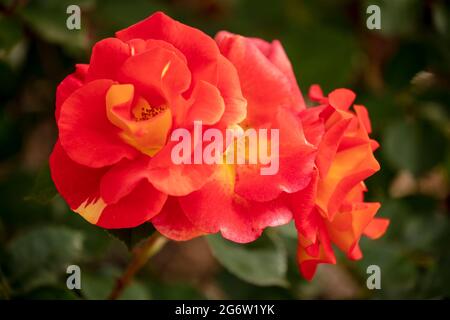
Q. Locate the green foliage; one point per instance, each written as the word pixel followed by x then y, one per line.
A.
pixel 97 287
pixel 407 143
pixel 10 33
pixel 262 262
pixel 40 256
pixel 110 21
pixel 48 19
pixel 43 190
pixel 399 17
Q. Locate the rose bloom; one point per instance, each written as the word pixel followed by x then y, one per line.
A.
pixel 112 162
pixel 238 201
pixel 332 208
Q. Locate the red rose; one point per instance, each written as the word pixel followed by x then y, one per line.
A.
pixel 112 160
pixel 238 201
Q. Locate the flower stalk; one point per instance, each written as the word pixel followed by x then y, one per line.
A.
pixel 141 254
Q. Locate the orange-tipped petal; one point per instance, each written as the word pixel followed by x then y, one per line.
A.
pixel 376 228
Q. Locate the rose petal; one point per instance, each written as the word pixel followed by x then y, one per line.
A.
pixel 85 132
pixel 121 179
pixel 376 228
pixel 264 86
pixel 216 208
pixel 70 83
pixel 202 59
pixel 173 223
pixel 107 57
pixel 341 98
pixel 76 183
pixel 207 105
pixel 142 204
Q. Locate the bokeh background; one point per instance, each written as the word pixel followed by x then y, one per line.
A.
pixel 401 73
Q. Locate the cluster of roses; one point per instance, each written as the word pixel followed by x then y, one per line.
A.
pixel 112 161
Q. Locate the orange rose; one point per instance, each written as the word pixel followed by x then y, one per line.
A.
pixel 332 208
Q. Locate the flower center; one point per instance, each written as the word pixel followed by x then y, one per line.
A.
pixel 143 111
pixel 143 126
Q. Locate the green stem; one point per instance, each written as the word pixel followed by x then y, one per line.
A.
pixel 141 254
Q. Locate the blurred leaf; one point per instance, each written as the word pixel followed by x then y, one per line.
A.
pixel 11 35
pixel 51 293
pixel 399 17
pixel 16 212
pixel 267 18
pixel 381 108
pixel 6 3
pixel 263 262
pixel 401 69
pixel 48 19
pixel 325 55
pixel 39 256
pixel 114 15
pixel 435 284
pixel 97 287
pixel 288 230
pixel 132 236
pixel 10 32
pixel 438 115
pixel 2 232
pixel 409 250
pixel 9 133
pixel 237 288
pixel 175 291
pixel 414 146
pixel 412 216
pixel 398 272
pixel 44 189
pixel 441 17
pixel 7 79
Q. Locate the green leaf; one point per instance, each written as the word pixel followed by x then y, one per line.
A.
pixel 175 291
pixel 323 54
pixel 44 189
pixel 11 41
pixel 237 288
pixel 132 236
pixel 51 293
pixel 263 262
pixel 112 15
pixel 288 231
pixel 399 17
pixel 97 287
pixel 48 19
pixel 399 275
pixel 10 32
pixel 41 255
pixel 9 132
pixel 441 17
pixel 403 66
pixel 414 146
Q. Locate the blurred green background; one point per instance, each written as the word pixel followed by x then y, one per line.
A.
pixel 401 73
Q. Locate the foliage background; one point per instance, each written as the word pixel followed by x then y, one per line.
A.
pixel 400 73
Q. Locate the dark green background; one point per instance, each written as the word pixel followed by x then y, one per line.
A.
pixel 401 73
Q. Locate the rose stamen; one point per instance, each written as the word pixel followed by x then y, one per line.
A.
pixel 144 111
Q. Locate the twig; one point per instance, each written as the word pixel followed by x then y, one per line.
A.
pixel 141 254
